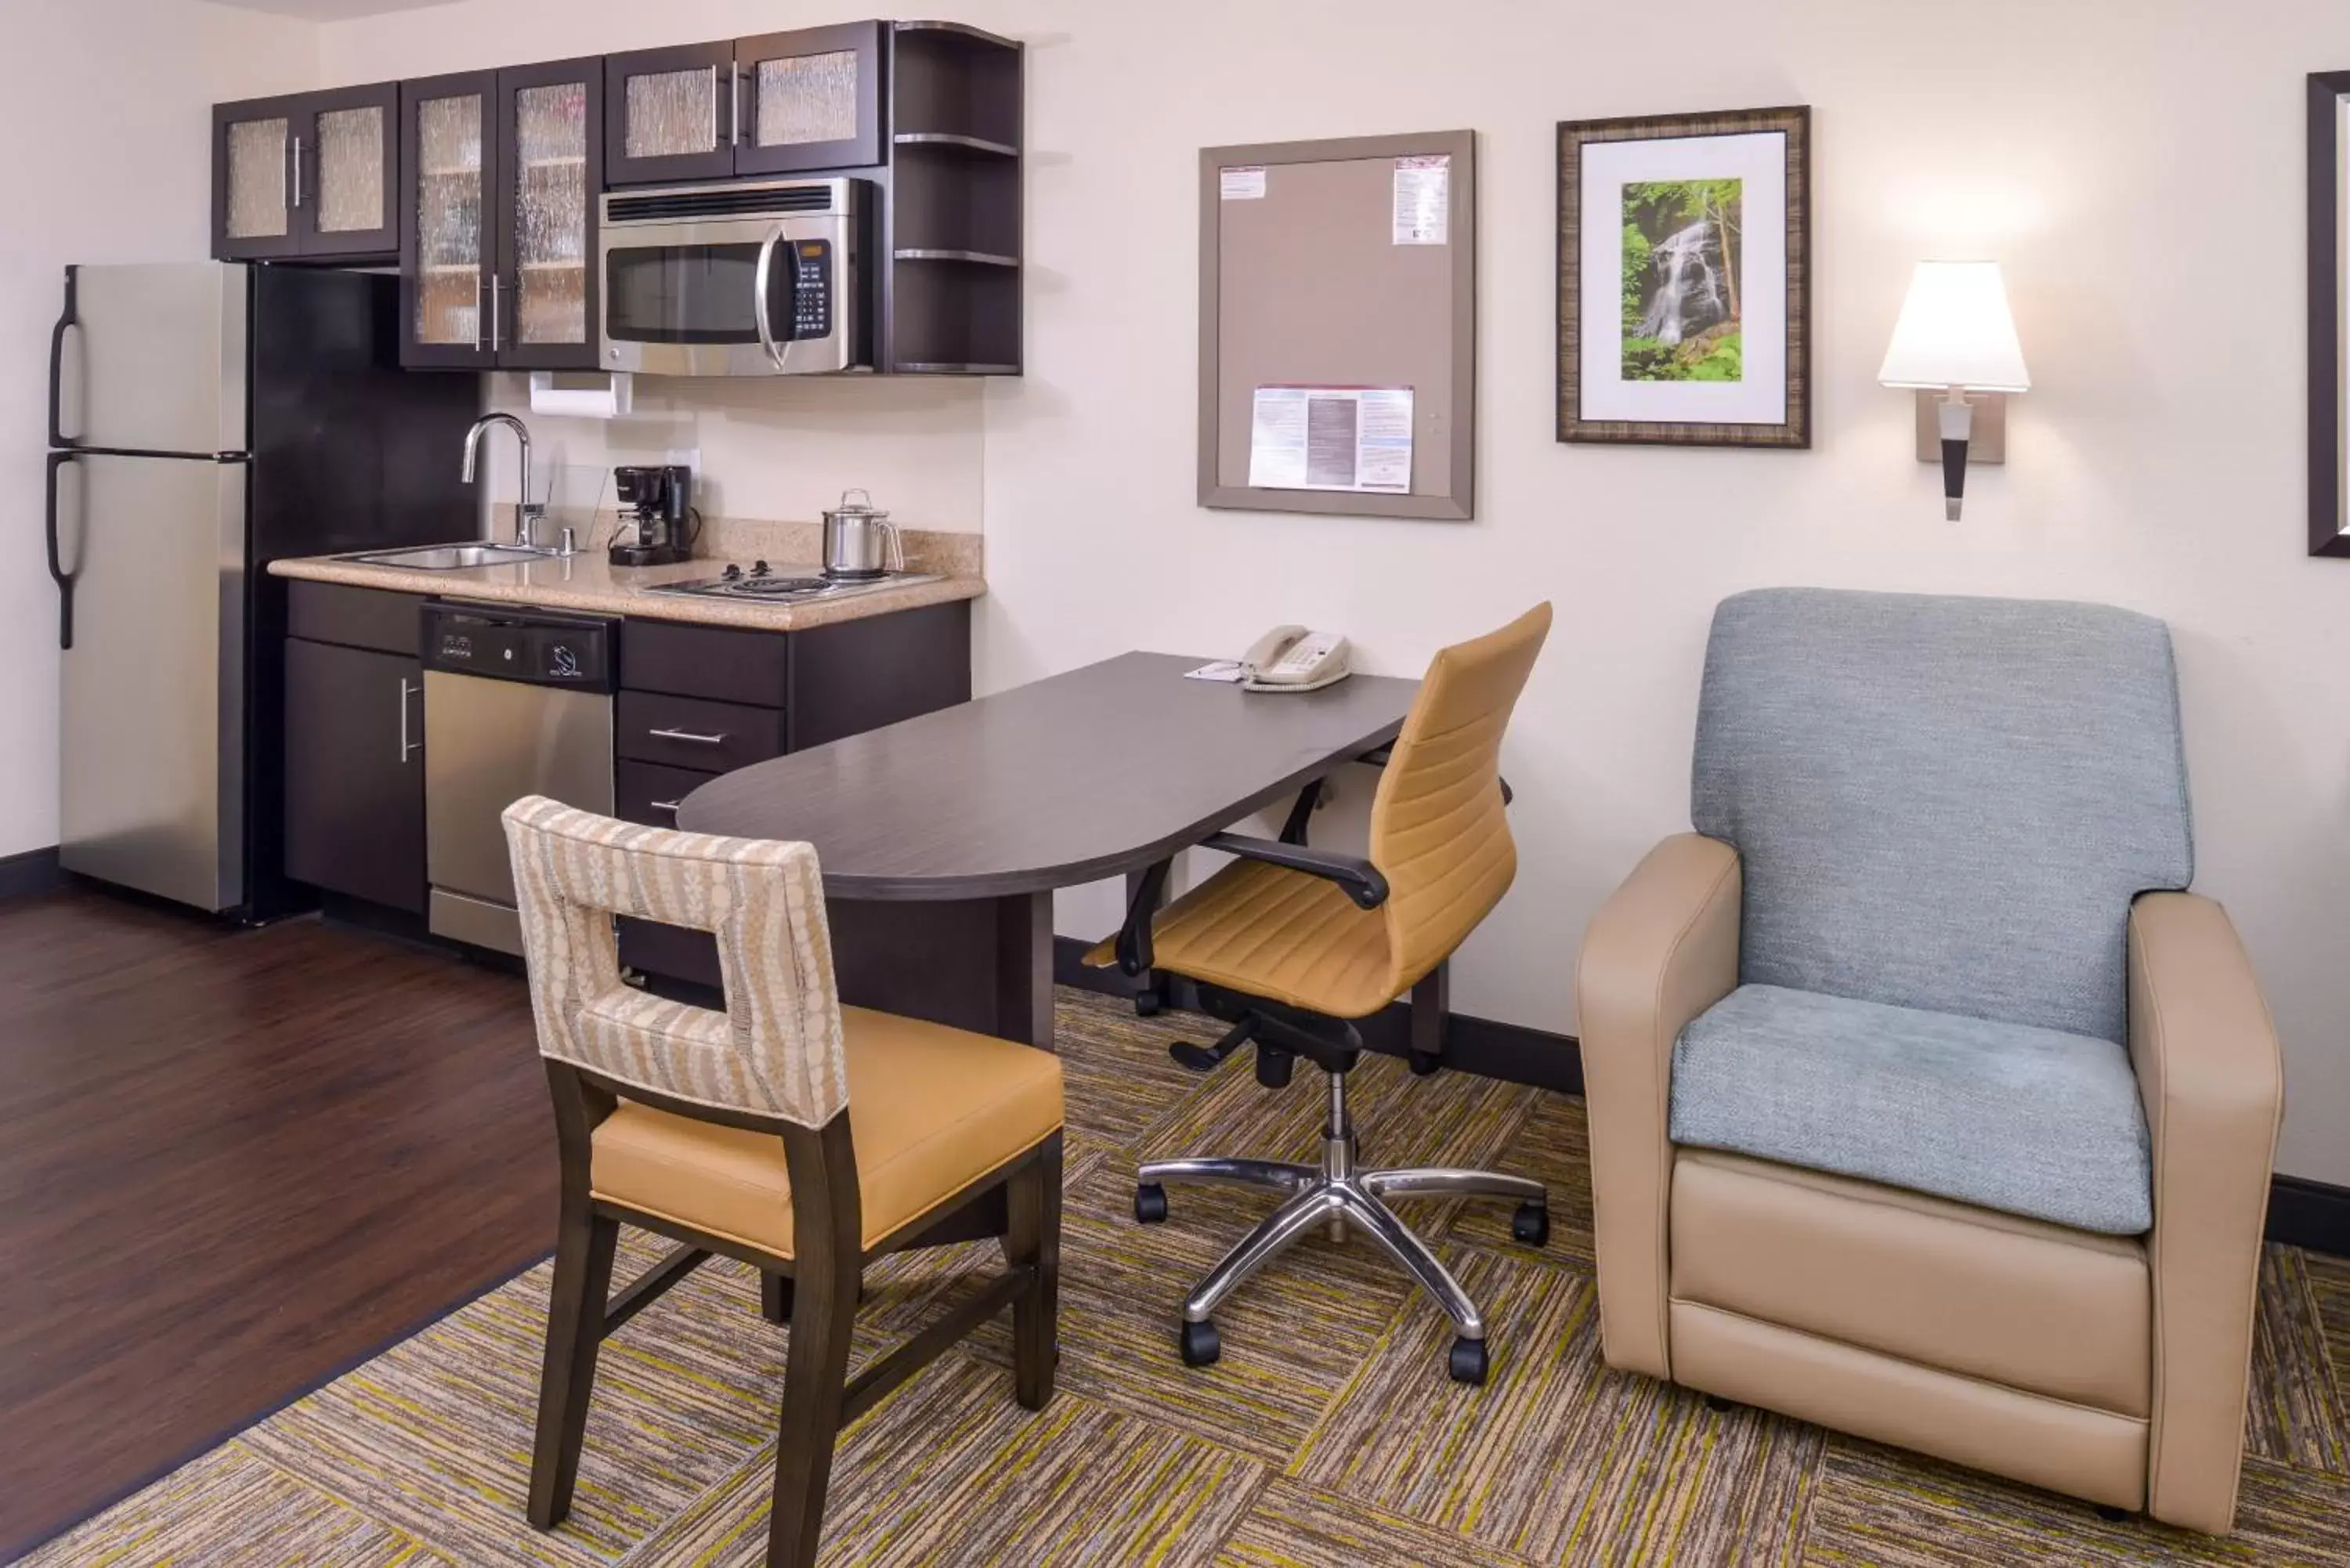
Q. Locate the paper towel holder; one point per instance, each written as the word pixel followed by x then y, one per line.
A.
pixel 582 394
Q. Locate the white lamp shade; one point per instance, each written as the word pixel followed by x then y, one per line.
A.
pixel 1955 331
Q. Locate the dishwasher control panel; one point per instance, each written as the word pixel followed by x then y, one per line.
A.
pixel 532 647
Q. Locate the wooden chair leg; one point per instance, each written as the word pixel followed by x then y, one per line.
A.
pixel 815 1377
pixel 1035 1239
pixel 775 1298
pixel 575 1331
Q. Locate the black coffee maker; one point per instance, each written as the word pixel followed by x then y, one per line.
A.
pixel 657 531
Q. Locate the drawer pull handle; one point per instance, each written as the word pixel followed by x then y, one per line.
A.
pixel 717 740
pixel 667 805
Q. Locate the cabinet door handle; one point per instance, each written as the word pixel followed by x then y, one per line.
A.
pixel 734 104
pixel 408 748
pixel 717 740
pixel 297 171
pixel 494 312
pixel 667 805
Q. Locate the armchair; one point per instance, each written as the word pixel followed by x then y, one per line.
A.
pixel 1925 1101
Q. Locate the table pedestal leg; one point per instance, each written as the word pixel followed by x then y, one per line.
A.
pixel 981 964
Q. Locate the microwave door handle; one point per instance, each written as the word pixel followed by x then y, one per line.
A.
pixel 759 283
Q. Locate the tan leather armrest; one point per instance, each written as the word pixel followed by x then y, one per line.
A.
pixel 2213 1083
pixel 1661 950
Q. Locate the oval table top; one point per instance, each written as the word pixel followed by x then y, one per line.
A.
pixel 1077 777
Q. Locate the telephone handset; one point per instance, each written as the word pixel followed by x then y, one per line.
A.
pixel 1293 658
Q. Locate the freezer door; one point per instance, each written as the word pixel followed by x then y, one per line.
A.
pixel 152 359
pixel 151 784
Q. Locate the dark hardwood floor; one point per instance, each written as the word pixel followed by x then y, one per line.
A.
pixel 231 1163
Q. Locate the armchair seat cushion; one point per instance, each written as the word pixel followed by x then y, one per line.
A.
pixel 2006 1115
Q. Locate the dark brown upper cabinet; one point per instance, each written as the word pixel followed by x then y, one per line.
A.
pixel 311 176
pixel 782 103
pixel 497 245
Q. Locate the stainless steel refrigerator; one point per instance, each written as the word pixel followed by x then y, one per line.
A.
pixel 204 419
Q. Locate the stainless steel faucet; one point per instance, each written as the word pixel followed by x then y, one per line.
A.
pixel 527 512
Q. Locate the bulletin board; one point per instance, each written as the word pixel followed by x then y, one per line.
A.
pixel 1334 275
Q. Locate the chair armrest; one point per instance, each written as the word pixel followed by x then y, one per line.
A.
pixel 2212 1080
pixel 1661 950
pixel 1358 877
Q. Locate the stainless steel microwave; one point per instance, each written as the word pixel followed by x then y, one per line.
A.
pixel 747 278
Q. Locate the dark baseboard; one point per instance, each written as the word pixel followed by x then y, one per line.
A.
pixel 2301 1214
pixel 2311 1214
pixel 1510 1052
pixel 34 871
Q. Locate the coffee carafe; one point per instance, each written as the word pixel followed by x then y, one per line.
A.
pixel 658 529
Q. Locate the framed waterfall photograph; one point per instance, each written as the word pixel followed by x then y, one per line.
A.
pixel 1684 279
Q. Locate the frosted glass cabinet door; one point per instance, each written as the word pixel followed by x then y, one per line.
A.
pixel 447 260
pixel 813 99
pixel 253 179
pixel 671 114
pixel 351 195
pixel 550 121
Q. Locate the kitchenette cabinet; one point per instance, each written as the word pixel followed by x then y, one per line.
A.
pixel 353 721
pixel 502 170
pixel 783 103
pixel 693 701
pixel 311 176
pixel 487 186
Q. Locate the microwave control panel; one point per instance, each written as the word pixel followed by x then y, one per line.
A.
pixel 811 290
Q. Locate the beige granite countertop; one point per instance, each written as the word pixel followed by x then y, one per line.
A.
pixel 589 582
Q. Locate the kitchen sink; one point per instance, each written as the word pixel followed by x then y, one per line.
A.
pixel 449 557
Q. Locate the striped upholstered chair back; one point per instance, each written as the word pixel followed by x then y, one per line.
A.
pixel 776 1050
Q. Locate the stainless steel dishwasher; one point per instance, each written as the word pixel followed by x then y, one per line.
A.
pixel 516 702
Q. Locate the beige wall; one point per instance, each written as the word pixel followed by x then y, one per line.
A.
pixel 2137 167
pixel 107 115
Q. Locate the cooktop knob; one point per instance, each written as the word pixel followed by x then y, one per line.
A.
pixel 732 572
pixel 758 568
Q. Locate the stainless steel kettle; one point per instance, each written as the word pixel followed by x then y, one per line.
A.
pixel 860 540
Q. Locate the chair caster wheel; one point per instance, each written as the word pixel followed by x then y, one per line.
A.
pixel 1146 1004
pixel 1530 1224
pixel 1467 1363
pixel 1423 1063
pixel 1149 1202
pixel 1200 1345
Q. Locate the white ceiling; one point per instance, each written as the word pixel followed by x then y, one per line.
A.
pixel 330 10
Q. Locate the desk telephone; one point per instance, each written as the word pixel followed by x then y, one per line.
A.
pixel 1293 658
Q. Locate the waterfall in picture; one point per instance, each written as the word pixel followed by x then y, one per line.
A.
pixel 1683 249
pixel 1689 279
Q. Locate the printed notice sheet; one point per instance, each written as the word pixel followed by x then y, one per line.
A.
pixel 1332 438
pixel 1241 182
pixel 1423 200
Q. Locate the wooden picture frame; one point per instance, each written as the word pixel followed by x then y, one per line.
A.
pixel 2329 392
pixel 1699 377
pixel 1291 296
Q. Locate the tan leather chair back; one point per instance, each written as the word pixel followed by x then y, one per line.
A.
pixel 776 1050
pixel 1439 832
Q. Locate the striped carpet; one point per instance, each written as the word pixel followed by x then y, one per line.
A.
pixel 1329 1437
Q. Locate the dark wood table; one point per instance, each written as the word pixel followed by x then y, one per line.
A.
pixel 942 838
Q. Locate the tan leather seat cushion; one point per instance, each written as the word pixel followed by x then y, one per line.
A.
pixel 2033 1306
pixel 932 1109
pixel 1275 933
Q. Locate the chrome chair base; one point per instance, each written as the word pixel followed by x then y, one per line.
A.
pixel 1337 1195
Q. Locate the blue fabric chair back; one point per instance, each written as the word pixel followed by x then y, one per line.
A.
pixel 1943 802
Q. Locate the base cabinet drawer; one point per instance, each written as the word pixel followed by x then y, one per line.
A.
pixel 688 733
pixel 649 793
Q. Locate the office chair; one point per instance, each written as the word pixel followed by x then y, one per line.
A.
pixel 1290 944
pixel 729 1133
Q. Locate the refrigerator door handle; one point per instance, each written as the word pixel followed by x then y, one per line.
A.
pixel 68 321
pixel 58 574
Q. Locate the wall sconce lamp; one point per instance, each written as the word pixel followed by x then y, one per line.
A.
pixel 1955 343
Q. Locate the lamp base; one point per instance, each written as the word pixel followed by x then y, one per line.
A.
pixel 1987 443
